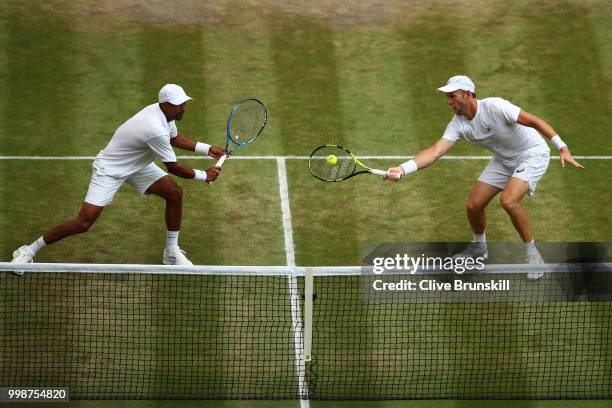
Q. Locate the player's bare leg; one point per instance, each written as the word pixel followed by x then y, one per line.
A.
pixel 167 189
pixel 480 196
pixel 172 193
pixel 88 215
pixel 511 198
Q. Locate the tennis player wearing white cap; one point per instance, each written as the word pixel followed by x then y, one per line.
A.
pixel 129 158
pixel 520 159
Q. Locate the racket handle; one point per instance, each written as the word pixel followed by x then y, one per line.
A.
pixel 221 160
pixel 385 174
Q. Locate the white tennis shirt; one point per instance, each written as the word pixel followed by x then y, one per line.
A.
pixel 141 140
pixel 495 128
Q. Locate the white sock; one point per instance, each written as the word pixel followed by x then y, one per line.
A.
pixel 530 246
pixel 480 237
pixel 37 245
pixel 172 240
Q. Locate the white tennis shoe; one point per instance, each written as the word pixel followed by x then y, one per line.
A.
pixel 22 255
pixel 533 257
pixel 474 250
pixel 175 257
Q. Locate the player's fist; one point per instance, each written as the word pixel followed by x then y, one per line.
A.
pixel 394 173
pixel 212 174
pixel 216 152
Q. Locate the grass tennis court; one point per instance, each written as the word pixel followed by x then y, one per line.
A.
pixel 361 75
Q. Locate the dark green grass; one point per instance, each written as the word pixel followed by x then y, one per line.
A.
pixel 72 74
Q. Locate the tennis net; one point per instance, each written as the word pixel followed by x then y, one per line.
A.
pixel 222 332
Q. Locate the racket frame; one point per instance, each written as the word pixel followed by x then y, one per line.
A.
pixel 228 137
pixel 357 162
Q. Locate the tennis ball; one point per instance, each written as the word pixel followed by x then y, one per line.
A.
pixel 332 160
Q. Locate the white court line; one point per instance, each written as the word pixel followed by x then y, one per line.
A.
pixel 286 210
pixel 296 314
pixel 289 157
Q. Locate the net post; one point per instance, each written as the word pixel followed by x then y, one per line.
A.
pixel 308 297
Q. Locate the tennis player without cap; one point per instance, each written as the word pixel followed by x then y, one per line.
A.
pixel 520 159
pixel 128 157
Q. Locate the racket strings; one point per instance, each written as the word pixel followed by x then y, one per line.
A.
pixel 323 168
pixel 247 121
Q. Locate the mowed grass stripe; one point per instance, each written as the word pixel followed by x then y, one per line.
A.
pixel 4 67
pixel 373 90
pixel 41 97
pixel 239 64
pixel 432 52
pixel 41 53
pixel 108 84
pixel 497 61
pixel 573 92
pixel 309 111
pixel 600 17
pixel 239 215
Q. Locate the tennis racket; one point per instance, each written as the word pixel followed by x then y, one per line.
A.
pixel 335 163
pixel 246 121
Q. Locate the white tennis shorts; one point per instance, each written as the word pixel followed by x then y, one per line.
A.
pixel 530 169
pixel 102 187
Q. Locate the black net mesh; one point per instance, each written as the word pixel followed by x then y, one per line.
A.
pixel 139 336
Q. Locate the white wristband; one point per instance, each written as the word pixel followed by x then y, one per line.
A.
pixel 202 148
pixel 559 144
pixel 409 167
pixel 200 175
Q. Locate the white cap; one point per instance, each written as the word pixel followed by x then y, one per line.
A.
pixel 174 94
pixel 458 82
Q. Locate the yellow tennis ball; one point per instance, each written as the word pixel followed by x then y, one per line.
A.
pixel 332 160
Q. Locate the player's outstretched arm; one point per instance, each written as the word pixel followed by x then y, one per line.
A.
pixel 421 160
pixel 531 120
pixel 182 171
pixel 183 142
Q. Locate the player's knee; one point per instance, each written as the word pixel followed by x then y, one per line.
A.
pixel 509 203
pixel 474 206
pixel 82 225
pixel 175 193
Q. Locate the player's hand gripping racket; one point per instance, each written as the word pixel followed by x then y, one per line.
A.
pixel 246 121
pixel 335 163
